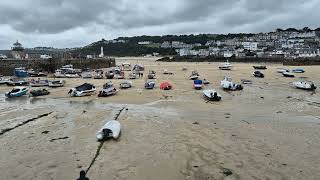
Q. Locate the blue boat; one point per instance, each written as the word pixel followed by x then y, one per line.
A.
pixel 20 72
pixel 17 92
pixel 198 84
pixel 298 70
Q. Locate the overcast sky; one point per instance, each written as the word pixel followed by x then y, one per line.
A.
pixel 73 23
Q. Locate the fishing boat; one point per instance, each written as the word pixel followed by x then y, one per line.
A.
pixel 111 129
pixel 298 70
pixel 33 73
pixel 59 83
pixel 39 92
pixel 38 83
pixel 108 90
pixel 17 82
pixel 305 85
pixel 261 67
pixel 198 84
pixel 212 95
pixel 288 74
pixel 149 85
pixel 126 84
pixel 227 84
pixel 59 74
pixel 17 92
pixel 20 72
pixel 98 74
pixel 133 75
pixel 85 89
pixel 152 74
pixel 166 86
pixel 225 66
pixel 194 75
pixel 258 74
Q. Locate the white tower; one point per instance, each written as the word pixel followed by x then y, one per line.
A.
pixel 101 55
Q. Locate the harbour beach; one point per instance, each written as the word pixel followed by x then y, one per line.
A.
pixel 269 130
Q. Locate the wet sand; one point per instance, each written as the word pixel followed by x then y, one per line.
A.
pixel 267 131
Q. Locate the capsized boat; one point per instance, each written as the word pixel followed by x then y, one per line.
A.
pixel 288 74
pixel 305 85
pixel 227 84
pixel 108 90
pixel 59 83
pixel 17 92
pixel 149 85
pixel 111 129
pixel 194 75
pixel 39 92
pixel 126 84
pixel 225 66
pixel 298 70
pixel 38 83
pixel 85 89
pixel 258 74
pixel 166 85
pixel 212 95
pixel 261 67
pixel 197 84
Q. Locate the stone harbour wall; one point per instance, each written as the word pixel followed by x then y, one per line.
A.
pixel 7 65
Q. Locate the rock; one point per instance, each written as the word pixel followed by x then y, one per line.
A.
pixel 45 132
pixel 84 111
pixel 226 172
pixel 233 135
pixel 262 97
pixel 284 164
pixel 195 123
pixel 127 109
pixel 279 112
pixel 288 97
pixel 195 166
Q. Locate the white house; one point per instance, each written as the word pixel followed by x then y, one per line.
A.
pixel 252 46
pixel 144 42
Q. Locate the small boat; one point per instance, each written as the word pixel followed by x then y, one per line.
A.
pixel 109 74
pixel 165 71
pixel 261 67
pixel 17 92
pixel 126 84
pixel 246 81
pixel 59 74
pixel 258 74
pixel 298 70
pixel 86 74
pixel 206 82
pixel 225 66
pixel 98 74
pixel 138 67
pixel 288 74
pixel 198 84
pixel 166 86
pixel 281 70
pixel 39 83
pixel 212 95
pixel 17 82
pixel 3 80
pixel 39 92
pixel 227 84
pixel 149 85
pixel 184 68
pixel 85 89
pixel 133 75
pixel 111 129
pixel 59 83
pixel 20 72
pixel 152 74
pixel 108 90
pixel 194 75
pixel 72 75
pixel 305 85
pixel 126 66
pixel 33 73
pixel 119 74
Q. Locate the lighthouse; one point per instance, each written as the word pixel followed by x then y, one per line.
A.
pixel 101 55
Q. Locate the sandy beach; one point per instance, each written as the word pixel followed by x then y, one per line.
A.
pixel 268 131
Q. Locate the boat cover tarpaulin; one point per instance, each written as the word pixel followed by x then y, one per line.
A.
pixel 84 87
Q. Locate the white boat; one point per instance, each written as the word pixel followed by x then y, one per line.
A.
pixel 98 74
pixel 126 85
pixel 206 82
pixel 59 83
pixel 288 74
pixel 246 81
pixel 111 129
pixel 126 66
pixel 86 74
pixel 3 80
pixel 225 66
pixel 108 90
pixel 59 74
pixel 17 91
pixel 212 95
pixel 133 75
pixel 83 90
pixel 194 75
pixel 38 83
pixel 152 74
pixel 69 75
pixel 282 70
pixel 165 71
pixel 305 85
pixel 227 84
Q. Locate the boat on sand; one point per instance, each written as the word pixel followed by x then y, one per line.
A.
pixel 212 95
pixel 227 84
pixel 111 129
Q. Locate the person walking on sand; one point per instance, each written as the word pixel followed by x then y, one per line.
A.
pixel 83 176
